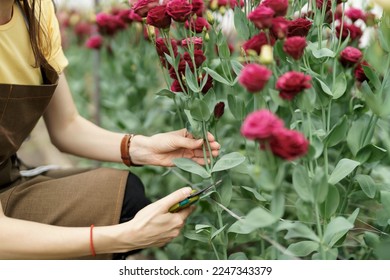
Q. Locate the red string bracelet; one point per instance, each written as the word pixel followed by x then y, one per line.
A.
pixel 91 241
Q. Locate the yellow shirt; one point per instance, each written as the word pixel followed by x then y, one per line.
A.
pixel 16 55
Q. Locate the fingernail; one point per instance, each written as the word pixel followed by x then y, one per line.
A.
pixel 187 191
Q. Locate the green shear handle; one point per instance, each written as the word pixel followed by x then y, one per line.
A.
pixel 194 197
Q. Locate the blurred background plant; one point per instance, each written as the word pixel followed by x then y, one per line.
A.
pixel 297 94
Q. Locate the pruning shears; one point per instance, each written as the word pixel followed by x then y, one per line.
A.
pixel 191 199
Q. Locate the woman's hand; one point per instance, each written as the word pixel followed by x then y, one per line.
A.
pixel 161 149
pixel 154 225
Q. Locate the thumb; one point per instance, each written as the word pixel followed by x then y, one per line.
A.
pixel 166 202
pixel 189 143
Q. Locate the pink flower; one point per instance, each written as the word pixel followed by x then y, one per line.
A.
pixel 198 7
pixel 162 48
pixel 279 6
pixel 94 42
pixel 254 77
pixel 197 41
pixel 199 57
pixel 295 46
pixel 288 144
pixel 261 125
pixel 355 32
pixel 350 56
pixel 158 17
pixel 179 10
pixel 262 17
pixel 292 83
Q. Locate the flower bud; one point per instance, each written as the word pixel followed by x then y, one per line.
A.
pixel 266 55
pixel 210 17
pixel 219 109
pixel 214 5
pixel 222 10
pixel 206 37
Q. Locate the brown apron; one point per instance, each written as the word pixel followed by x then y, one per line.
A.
pixel 76 198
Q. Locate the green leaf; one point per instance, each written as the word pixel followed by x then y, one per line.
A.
pixel 166 93
pixel 236 106
pixel 331 203
pixel 372 76
pixel 303 248
pixel 370 153
pixel 238 256
pixel 356 138
pixel 298 230
pixel 236 66
pixel 191 80
pixel 340 86
pixel 343 168
pixel 324 87
pixel 302 183
pixel 385 201
pixel 324 52
pixel 191 166
pixel 201 237
pixel 338 132
pixel 194 127
pixel 319 185
pixel 367 184
pixel 200 110
pixel 228 161
pixel 241 23
pixel 335 230
pixel 216 76
pixel 258 196
pixel 256 218
pixel 218 232
pixel 353 216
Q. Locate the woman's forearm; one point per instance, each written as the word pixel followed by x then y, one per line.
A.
pixel 21 239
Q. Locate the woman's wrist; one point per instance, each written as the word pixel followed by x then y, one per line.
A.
pixel 110 239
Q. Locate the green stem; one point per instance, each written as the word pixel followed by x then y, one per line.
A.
pixel 215 250
pixel 319 231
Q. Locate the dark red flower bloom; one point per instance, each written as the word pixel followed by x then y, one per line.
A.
pixel 350 56
pixel 175 87
pixel 279 27
pixel 360 76
pixel 219 109
pixel 197 7
pixel 279 6
pixel 289 144
pixel 254 77
pixel 292 83
pixel 354 14
pixel 142 7
pixel 261 17
pixel 295 46
pixel 197 41
pixel 134 17
pixel 208 85
pixel 355 32
pixel 199 57
pixel 158 17
pixel 257 42
pixel 197 25
pixel 299 27
pixel 181 69
pixel 179 10
pixel 162 48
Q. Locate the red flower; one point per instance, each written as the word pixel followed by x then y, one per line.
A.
pixel 142 7
pixel 135 17
pixel 261 125
pixel 354 14
pixel 279 6
pixel 257 42
pixel 181 69
pixel 162 48
pixel 360 76
pixel 175 87
pixel 179 10
pixel 292 83
pixel 208 85
pixel 355 32
pixel 350 56
pixel 254 77
pixel 299 27
pixel 279 27
pixel 158 17
pixel 94 42
pixel 197 7
pixel 295 46
pixel 197 25
pixel 262 17
pixel 219 109
pixel 199 57
pixel 109 24
pixel 289 144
